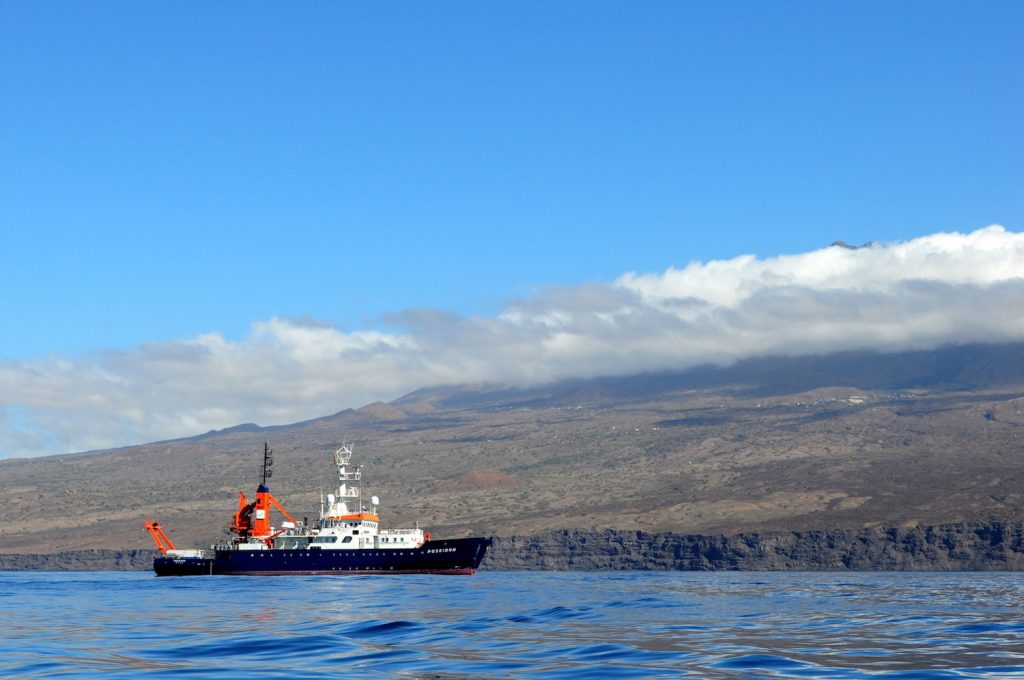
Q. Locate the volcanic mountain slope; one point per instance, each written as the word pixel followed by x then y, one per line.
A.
pixel 842 441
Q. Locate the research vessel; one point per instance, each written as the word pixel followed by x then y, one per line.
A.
pixel 346 539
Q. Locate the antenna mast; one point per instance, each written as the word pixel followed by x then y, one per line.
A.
pixel 268 462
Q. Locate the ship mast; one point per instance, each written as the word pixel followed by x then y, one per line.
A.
pixel 348 485
pixel 268 462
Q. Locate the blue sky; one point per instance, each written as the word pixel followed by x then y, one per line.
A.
pixel 171 171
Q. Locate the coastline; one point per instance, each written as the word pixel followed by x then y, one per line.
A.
pixel 991 546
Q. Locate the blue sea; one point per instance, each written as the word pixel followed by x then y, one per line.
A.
pixel 514 624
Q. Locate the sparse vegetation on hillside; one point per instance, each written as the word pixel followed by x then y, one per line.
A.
pixel 687 453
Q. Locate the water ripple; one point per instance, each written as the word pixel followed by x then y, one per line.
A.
pixel 549 625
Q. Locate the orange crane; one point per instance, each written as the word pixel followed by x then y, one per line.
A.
pixel 253 519
pixel 163 543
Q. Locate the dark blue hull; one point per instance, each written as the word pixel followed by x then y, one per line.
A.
pixel 454 556
pixel 182 566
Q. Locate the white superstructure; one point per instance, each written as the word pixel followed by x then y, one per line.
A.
pixel 345 523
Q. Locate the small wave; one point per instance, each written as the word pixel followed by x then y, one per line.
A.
pixel 760 661
pixel 559 613
pixel 381 628
pixel 606 651
pixel 989 627
pixel 937 674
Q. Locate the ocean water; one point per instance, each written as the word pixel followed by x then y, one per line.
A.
pixel 514 624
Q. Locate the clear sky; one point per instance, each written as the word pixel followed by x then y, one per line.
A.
pixel 170 171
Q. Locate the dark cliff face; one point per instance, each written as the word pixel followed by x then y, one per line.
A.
pixel 954 547
pixel 995 546
pixel 80 560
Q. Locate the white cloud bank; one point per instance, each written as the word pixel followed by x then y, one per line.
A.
pixel 938 289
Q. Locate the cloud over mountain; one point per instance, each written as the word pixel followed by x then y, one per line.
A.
pixel 940 289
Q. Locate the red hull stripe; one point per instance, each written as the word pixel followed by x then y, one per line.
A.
pixel 352 572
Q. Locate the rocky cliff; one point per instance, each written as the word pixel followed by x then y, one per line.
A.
pixel 995 546
pixel 80 560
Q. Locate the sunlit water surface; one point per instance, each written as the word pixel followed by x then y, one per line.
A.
pixel 494 624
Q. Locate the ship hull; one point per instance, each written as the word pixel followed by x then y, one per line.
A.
pixel 460 556
pixel 183 566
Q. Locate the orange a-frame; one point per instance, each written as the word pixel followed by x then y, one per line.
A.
pixel 163 543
